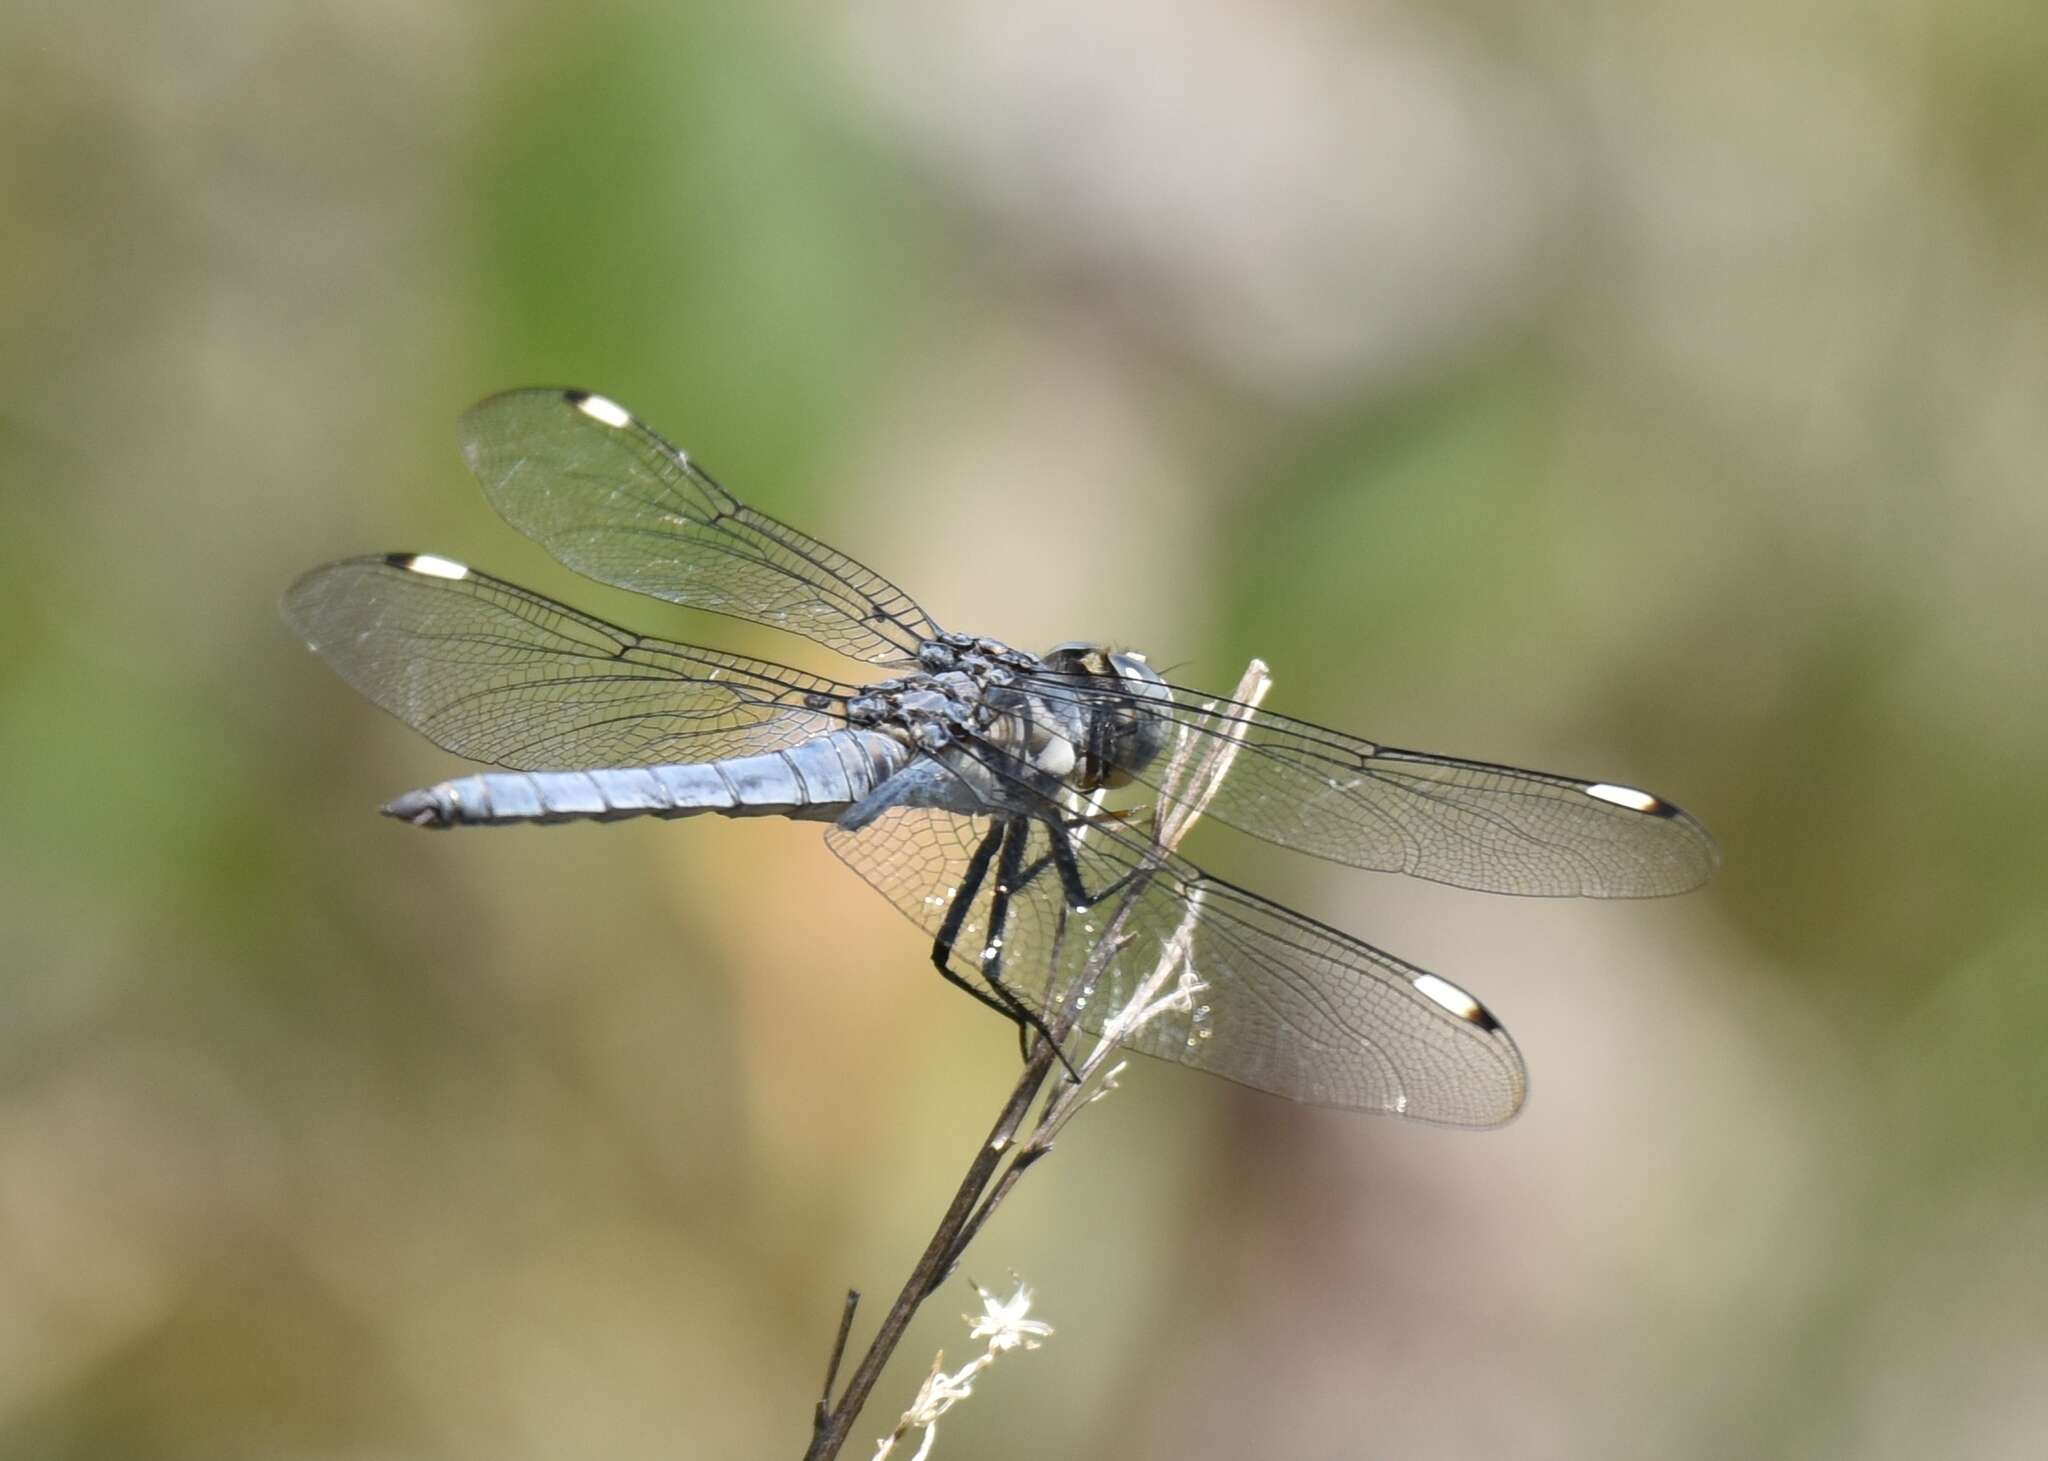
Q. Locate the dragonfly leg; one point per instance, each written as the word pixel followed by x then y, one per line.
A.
pixel 1009 838
pixel 1078 896
pixel 1009 882
pixel 963 900
pixel 1071 883
pixel 1076 893
pixel 1012 879
pixel 1062 855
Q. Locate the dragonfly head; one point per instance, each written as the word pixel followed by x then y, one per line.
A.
pixel 1120 736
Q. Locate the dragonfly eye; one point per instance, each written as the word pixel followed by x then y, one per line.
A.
pixel 1136 734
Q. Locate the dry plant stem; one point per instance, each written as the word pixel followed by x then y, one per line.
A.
pixel 1195 774
pixel 833 1426
pixel 838 1354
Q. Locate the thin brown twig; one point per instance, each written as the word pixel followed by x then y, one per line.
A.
pixel 829 1432
pixel 838 1354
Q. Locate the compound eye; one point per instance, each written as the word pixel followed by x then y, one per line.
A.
pixel 1133 671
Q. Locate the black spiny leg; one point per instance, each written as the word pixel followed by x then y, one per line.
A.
pixel 1078 896
pixel 1076 891
pixel 1061 856
pixel 963 900
pixel 1012 879
pixel 1009 837
pixel 1009 868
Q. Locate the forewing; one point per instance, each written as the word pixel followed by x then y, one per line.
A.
pixel 498 674
pixel 608 497
pixel 1472 824
pixel 1251 991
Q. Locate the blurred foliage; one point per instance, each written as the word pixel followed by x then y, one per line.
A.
pixel 1648 390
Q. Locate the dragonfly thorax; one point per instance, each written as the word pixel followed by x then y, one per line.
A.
pixel 1074 717
pixel 960 688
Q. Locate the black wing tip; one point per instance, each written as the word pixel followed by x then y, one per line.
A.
pixel 1508 1082
pixel 1707 859
pixel 422 565
pixel 474 445
pixel 1454 1002
pixel 1700 857
pixel 479 433
pixel 304 602
pixel 409 561
pixel 1511 1055
pixel 574 397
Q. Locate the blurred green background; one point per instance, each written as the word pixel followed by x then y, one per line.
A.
pixel 1650 391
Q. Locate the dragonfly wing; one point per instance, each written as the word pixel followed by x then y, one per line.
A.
pixel 1472 824
pixel 611 499
pixel 1243 988
pixel 499 674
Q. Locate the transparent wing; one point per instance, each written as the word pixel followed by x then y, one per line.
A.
pixel 1472 824
pixel 612 500
pixel 498 674
pixel 1251 991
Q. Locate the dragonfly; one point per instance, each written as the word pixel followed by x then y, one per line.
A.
pixel 965 782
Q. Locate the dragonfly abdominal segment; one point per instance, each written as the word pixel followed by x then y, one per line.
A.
pixel 813 781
